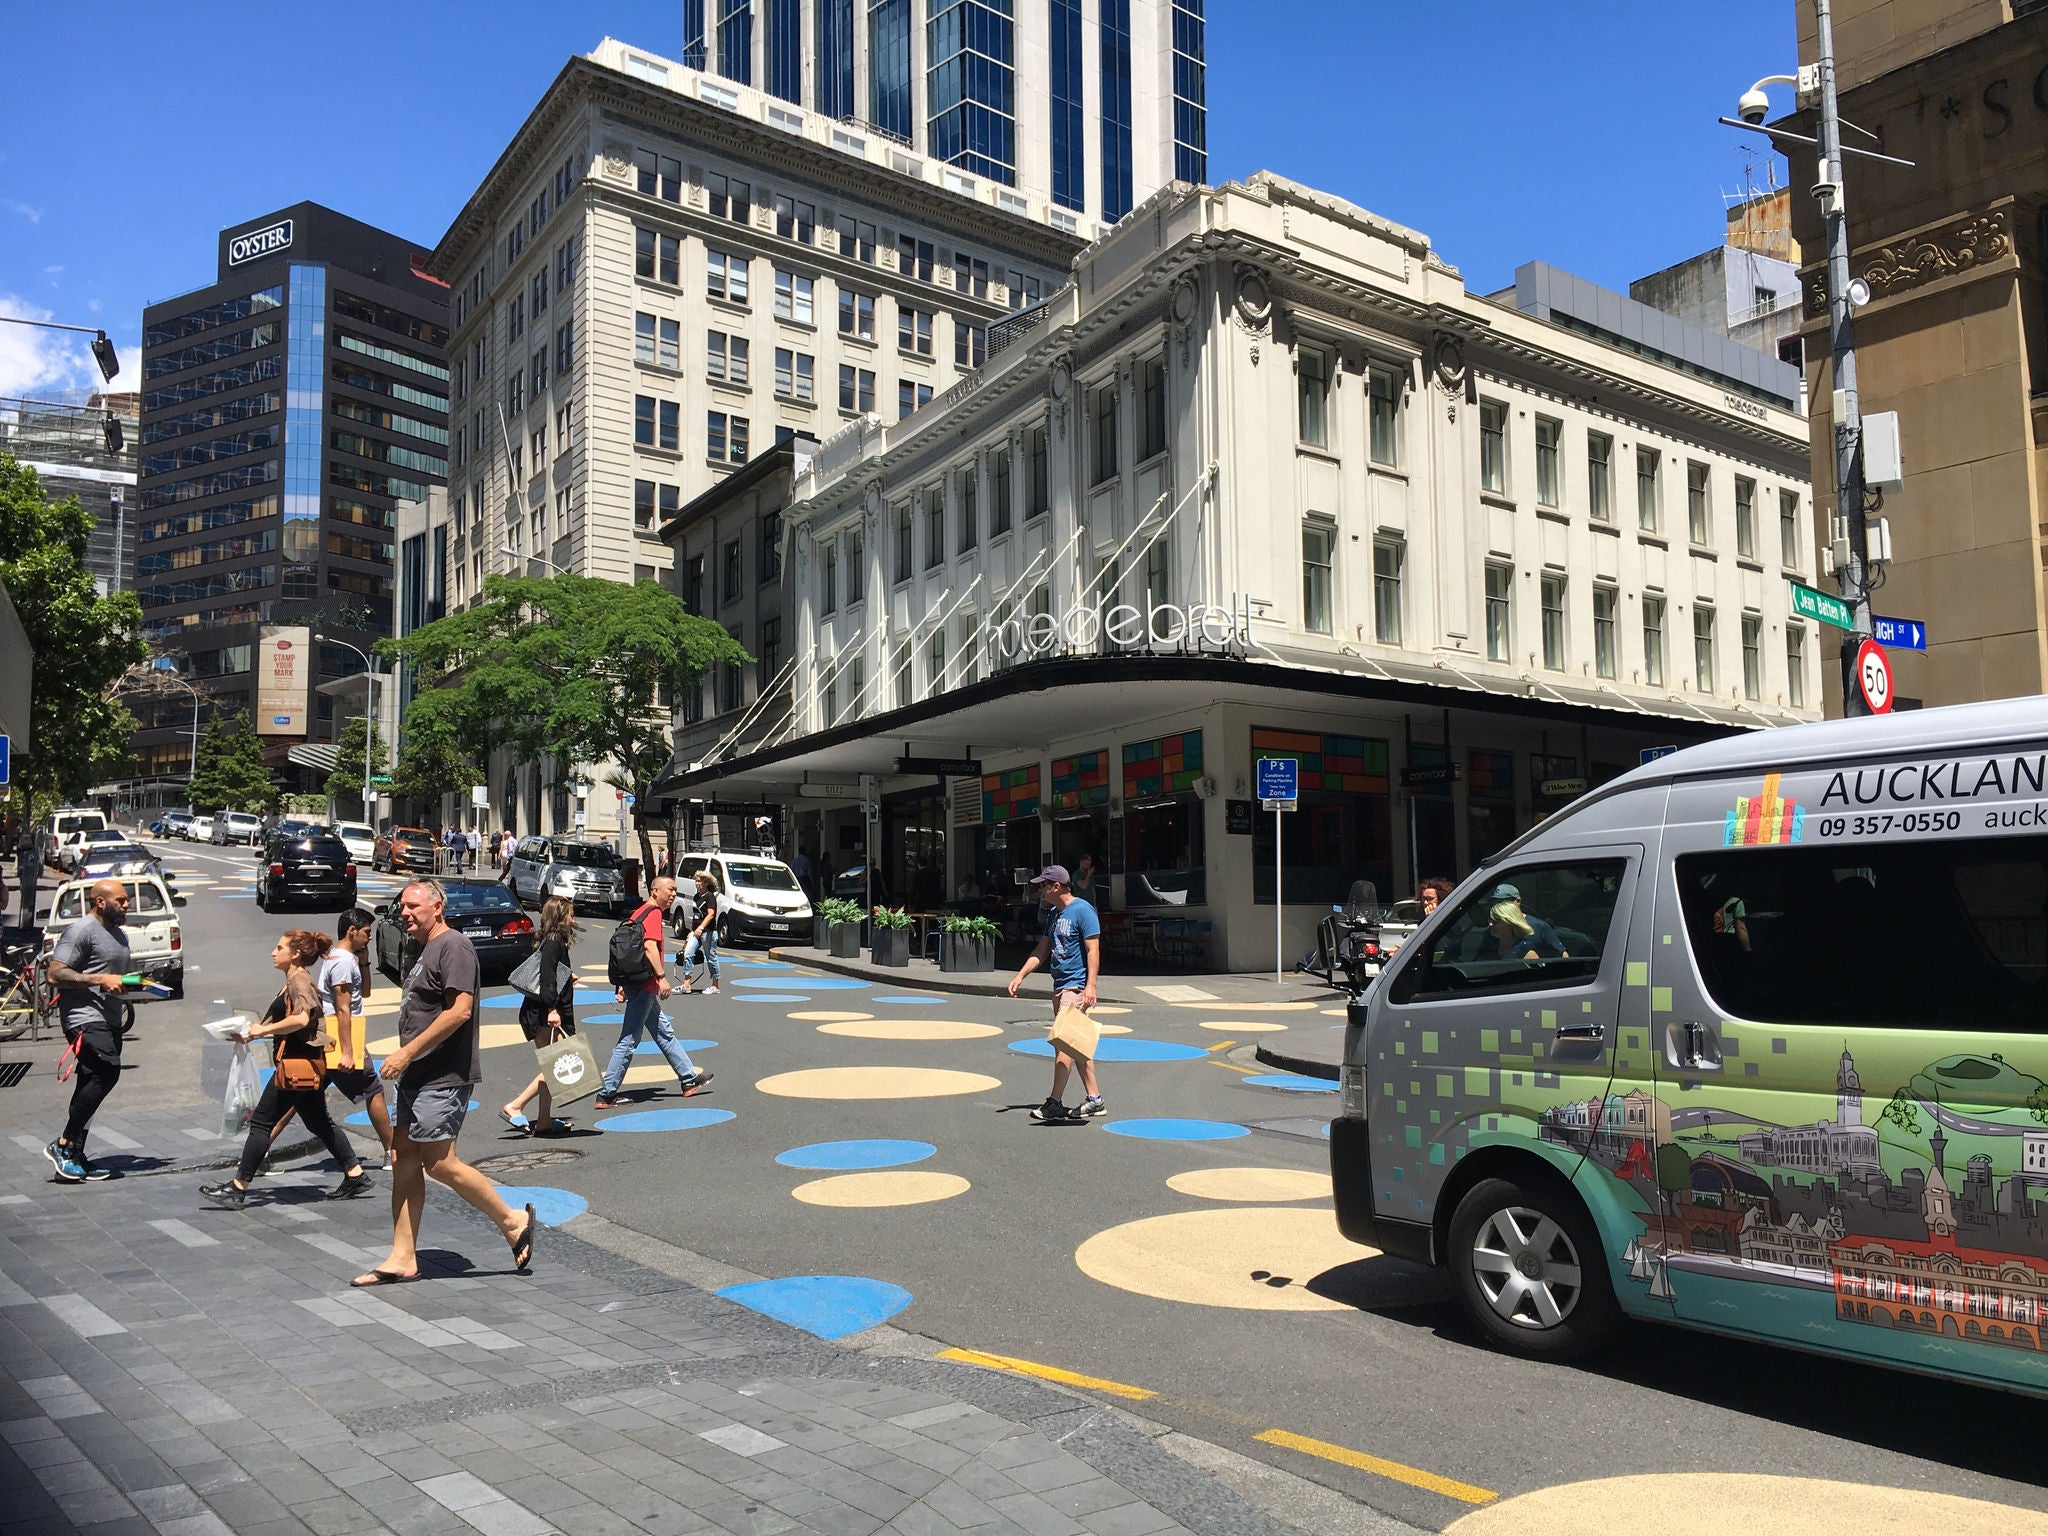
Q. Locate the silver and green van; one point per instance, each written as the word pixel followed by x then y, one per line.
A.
pixel 1752 1039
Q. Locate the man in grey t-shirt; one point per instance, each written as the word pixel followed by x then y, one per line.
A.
pixel 87 967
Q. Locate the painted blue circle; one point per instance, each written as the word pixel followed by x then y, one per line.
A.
pixel 236 895
pixel 908 1002
pixel 552 1206
pixel 775 997
pixel 761 965
pixel 1293 1082
pixel 1177 1130
pixel 819 983
pixel 653 1047
pixel 603 1018
pixel 856 1154
pixel 1326 1130
pixel 1120 1048
pixel 593 995
pixel 829 1306
pixel 664 1119
pixel 505 1000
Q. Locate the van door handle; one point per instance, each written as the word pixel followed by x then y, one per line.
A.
pixel 1582 1031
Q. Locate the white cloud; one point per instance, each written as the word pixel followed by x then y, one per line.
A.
pixel 35 361
pixel 33 215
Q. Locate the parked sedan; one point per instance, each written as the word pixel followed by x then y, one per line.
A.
pixel 404 848
pixel 311 869
pixel 75 849
pixel 482 911
pixel 359 840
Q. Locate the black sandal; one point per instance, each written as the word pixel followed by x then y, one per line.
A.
pixel 522 1245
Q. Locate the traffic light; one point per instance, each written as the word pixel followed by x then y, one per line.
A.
pixel 103 354
pixel 110 431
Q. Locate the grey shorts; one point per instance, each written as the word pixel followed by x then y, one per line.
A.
pixel 430 1114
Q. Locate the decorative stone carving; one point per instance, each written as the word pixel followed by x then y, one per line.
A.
pixel 1187 299
pixel 1973 240
pixel 1447 357
pixel 1062 385
pixel 1254 302
pixel 618 160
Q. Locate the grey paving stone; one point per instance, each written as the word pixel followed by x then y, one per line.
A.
pixel 504 1518
pixel 1133 1519
pixel 1034 1515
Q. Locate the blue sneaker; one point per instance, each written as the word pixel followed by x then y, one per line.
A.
pixel 69 1169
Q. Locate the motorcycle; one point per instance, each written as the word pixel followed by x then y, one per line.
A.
pixel 1348 940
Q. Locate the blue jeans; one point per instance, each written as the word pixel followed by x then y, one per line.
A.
pixel 704 946
pixel 643 1013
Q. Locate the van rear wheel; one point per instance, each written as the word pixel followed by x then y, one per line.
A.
pixel 1528 1269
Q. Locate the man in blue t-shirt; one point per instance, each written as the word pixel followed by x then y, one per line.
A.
pixel 1072 947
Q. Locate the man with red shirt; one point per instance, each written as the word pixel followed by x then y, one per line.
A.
pixel 643 1003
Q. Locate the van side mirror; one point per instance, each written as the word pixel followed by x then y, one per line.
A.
pixel 178 899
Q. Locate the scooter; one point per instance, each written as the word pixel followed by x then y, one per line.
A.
pixel 1348 940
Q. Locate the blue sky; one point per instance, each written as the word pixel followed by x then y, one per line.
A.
pixel 1581 132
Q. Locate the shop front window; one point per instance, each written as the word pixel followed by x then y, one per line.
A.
pixel 1342 829
pixel 1163 859
pixel 1489 802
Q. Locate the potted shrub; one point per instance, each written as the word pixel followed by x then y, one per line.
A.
pixel 969 944
pixel 891 944
pixel 842 925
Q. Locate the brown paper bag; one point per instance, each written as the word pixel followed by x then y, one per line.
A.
pixel 1075 1033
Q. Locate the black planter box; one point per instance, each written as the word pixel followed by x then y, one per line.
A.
pixel 892 947
pixel 845 941
pixel 821 934
pixel 958 952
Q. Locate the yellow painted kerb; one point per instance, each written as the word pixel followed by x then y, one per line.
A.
pixel 1049 1373
pixel 1414 1477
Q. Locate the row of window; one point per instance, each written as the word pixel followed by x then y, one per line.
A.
pixel 206 318
pixel 221 415
pixel 236 376
pixel 526 304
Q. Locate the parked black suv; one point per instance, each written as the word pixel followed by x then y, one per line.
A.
pixel 310 869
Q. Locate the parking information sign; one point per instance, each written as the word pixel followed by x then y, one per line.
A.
pixel 6 759
pixel 1279 778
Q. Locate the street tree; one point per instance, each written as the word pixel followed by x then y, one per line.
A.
pixel 345 783
pixel 432 760
pixel 81 642
pixel 231 775
pixel 571 665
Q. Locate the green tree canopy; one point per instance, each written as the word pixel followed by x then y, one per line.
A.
pixel 432 759
pixel 572 665
pixel 345 784
pixel 82 642
pixel 231 775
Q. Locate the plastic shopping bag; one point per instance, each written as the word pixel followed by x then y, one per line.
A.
pixel 244 1088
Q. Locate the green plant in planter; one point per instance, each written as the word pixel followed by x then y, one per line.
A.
pixel 837 909
pixel 888 919
pixel 974 927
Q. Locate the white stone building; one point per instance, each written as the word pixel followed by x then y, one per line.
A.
pixel 1263 480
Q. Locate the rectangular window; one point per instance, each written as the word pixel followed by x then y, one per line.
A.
pixel 1600 477
pixel 1040 488
pixel 1698 514
pixel 728 198
pixel 970 514
pixel 970 275
pixel 935 661
pixel 793 375
pixel 725 277
pixel 1317 540
pixel 910 396
pixel 1788 529
pixel 1648 510
pixel 731 572
pixel 901 669
pixel 856 314
pixel 1312 377
pixel 792 297
pixel 970 344
pixel 693 585
pixel 1151 407
pixel 1386 590
pixel 1551 588
pixel 1653 641
pixel 1703 647
pixel 768 548
pixel 714 436
pixel 1606 606
pixel 1752 657
pixel 565 265
pixel 655 257
pixel 539 368
pixel 1549 482
pixel 643 504
pixel 770 662
pixel 643 338
pixel 1745 517
pixel 725 358
pixel 1102 431
pixel 643 421
pixel 914 258
pixel 1384 405
pixel 736 447
pixel 795 220
pixel 856 240
pixel 999 493
pixel 515 317
pixel 659 176
pixel 537 291
pixel 906 554
pixel 565 348
pixel 671 502
pixel 913 330
pixel 671 436
pixel 1795 666
pixel 934 527
pixel 1493 447
pixel 1500 593
pixel 856 388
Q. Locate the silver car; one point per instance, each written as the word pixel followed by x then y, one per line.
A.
pixel 587 873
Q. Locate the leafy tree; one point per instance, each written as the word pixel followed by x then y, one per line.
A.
pixel 82 642
pixel 1904 1112
pixel 345 784
pixel 2037 1104
pixel 1674 1174
pixel 571 665
pixel 432 760
pixel 231 775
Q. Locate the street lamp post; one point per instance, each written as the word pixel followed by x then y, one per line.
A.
pixel 369 714
pixel 169 668
pixel 539 559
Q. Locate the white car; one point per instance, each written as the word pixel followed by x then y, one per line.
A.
pixel 199 829
pixel 72 846
pixel 359 840
pixel 236 827
pixel 156 942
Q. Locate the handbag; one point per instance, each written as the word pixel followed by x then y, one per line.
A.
pixel 525 977
pixel 1075 1033
pixel 569 1068
pixel 300 1060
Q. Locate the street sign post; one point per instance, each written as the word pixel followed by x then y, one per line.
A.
pixel 1874 677
pixel 1899 634
pixel 1651 754
pixel 1811 603
pixel 1279 783
pixel 6 759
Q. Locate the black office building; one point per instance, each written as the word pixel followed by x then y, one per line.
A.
pixel 287 410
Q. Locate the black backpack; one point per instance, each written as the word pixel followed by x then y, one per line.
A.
pixel 626 962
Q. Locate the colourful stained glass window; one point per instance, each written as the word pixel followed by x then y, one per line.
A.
pixel 1351 764
pixel 1162 767
pixel 1489 775
pixel 1009 795
pixel 1082 779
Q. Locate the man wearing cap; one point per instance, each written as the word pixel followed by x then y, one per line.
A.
pixel 1072 946
pixel 1516 934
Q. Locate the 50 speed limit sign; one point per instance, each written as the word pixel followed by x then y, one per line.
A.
pixel 1874 677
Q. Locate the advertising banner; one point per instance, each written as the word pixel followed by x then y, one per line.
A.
pixel 284 671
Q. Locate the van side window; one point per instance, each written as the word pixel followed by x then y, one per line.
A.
pixel 146 897
pixel 1908 935
pixel 1530 928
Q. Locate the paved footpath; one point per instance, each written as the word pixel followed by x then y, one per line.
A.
pixel 166 1367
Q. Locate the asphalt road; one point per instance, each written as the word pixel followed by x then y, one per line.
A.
pixel 1206 1273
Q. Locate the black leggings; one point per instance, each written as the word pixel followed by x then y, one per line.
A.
pixel 92 1080
pixel 311 1107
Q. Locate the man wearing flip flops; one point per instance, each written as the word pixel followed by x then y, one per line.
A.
pixel 1072 945
pixel 437 1063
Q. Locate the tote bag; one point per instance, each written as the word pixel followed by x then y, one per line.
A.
pixel 570 1068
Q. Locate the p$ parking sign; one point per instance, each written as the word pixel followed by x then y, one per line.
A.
pixel 1874 677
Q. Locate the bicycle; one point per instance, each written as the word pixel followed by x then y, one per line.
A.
pixel 26 996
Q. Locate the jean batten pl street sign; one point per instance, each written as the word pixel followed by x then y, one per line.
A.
pixel 1899 634
pixel 1813 604
pixel 1279 778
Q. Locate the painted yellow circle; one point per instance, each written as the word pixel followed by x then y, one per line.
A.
pixel 1242 1026
pixel 1334 1013
pixel 1252 1184
pixel 378 1005
pixel 1266 1007
pixel 1699 1503
pixel 656 1071
pixel 1114 1029
pixel 1209 1258
pixel 490 1036
pixel 829 1016
pixel 864 1191
pixel 876 1083
pixel 1109 1008
pixel 383 1046
pixel 910 1029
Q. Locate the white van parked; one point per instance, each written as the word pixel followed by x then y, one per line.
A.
pixel 156 940
pixel 764 902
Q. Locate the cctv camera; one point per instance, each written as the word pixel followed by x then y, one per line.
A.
pixel 1754 107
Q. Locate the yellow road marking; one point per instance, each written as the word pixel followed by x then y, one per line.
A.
pixel 1050 1373
pixel 1221 1045
pixel 1414 1477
